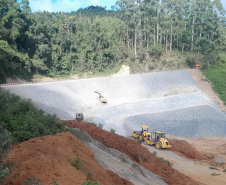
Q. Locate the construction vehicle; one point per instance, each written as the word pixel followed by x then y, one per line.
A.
pixel 143 134
pixel 101 97
pixel 156 138
pixel 79 116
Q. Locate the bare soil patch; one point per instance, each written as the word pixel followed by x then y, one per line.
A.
pixel 48 158
pixel 206 87
pixel 135 152
pixel 207 146
pixel 185 149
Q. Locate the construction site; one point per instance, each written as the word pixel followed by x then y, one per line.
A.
pixel 180 104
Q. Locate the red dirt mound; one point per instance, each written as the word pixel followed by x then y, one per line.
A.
pixel 185 149
pixel 135 152
pixel 48 158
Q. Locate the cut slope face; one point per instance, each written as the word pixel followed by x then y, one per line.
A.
pixel 132 100
pixel 135 152
pixel 48 158
pixel 118 162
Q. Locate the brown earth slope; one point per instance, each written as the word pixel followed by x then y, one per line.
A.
pixel 48 158
pixel 185 149
pixel 135 152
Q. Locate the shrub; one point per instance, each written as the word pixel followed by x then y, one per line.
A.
pixel 217 167
pixel 31 181
pixel 165 161
pixel 90 183
pixel 24 121
pixel 151 67
pixel 142 157
pixel 139 140
pixel 5 144
pixel 142 54
pixel 156 50
pixel 101 125
pixel 112 130
pixel 76 162
pixel 170 63
pixel 164 62
pixel 89 176
pixel 190 62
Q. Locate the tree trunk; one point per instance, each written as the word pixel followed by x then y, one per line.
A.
pixel 157 32
pixel 135 43
pixel 166 39
pixel 192 34
pixel 171 37
pixel 127 38
pixel 60 47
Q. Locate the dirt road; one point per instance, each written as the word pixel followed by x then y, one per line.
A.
pixel 197 170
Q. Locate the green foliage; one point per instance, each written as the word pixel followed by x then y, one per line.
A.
pixel 76 162
pixel 34 181
pixel 24 121
pixel 90 183
pixel 151 67
pixel 54 182
pixel 165 161
pixel 216 74
pixel 204 45
pixel 170 63
pixel 164 62
pixel 112 130
pixel 190 61
pixel 101 125
pixel 142 54
pixel 156 50
pixel 5 144
pixel 217 167
pixel 31 181
pixel 139 140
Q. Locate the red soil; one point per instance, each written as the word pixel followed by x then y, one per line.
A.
pixel 48 158
pixel 185 149
pixel 135 152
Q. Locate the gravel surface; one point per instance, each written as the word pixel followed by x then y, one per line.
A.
pixel 169 101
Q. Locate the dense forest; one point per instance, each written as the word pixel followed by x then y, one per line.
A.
pixel 95 39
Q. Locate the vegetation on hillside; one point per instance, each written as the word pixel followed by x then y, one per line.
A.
pixel 216 74
pixel 21 121
pixel 97 40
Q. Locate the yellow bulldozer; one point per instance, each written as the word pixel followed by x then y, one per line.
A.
pixel 79 116
pixel 156 138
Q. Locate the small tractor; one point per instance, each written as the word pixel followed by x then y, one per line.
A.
pixel 101 97
pixel 155 138
pixel 79 116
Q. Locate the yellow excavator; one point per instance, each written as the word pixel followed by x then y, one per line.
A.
pixel 156 138
pixel 101 97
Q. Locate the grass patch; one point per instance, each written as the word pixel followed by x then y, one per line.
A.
pixel 216 74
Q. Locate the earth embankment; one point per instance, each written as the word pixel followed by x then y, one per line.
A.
pixel 48 158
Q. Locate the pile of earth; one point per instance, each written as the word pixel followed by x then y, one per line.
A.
pixel 135 152
pixel 48 158
pixel 185 149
